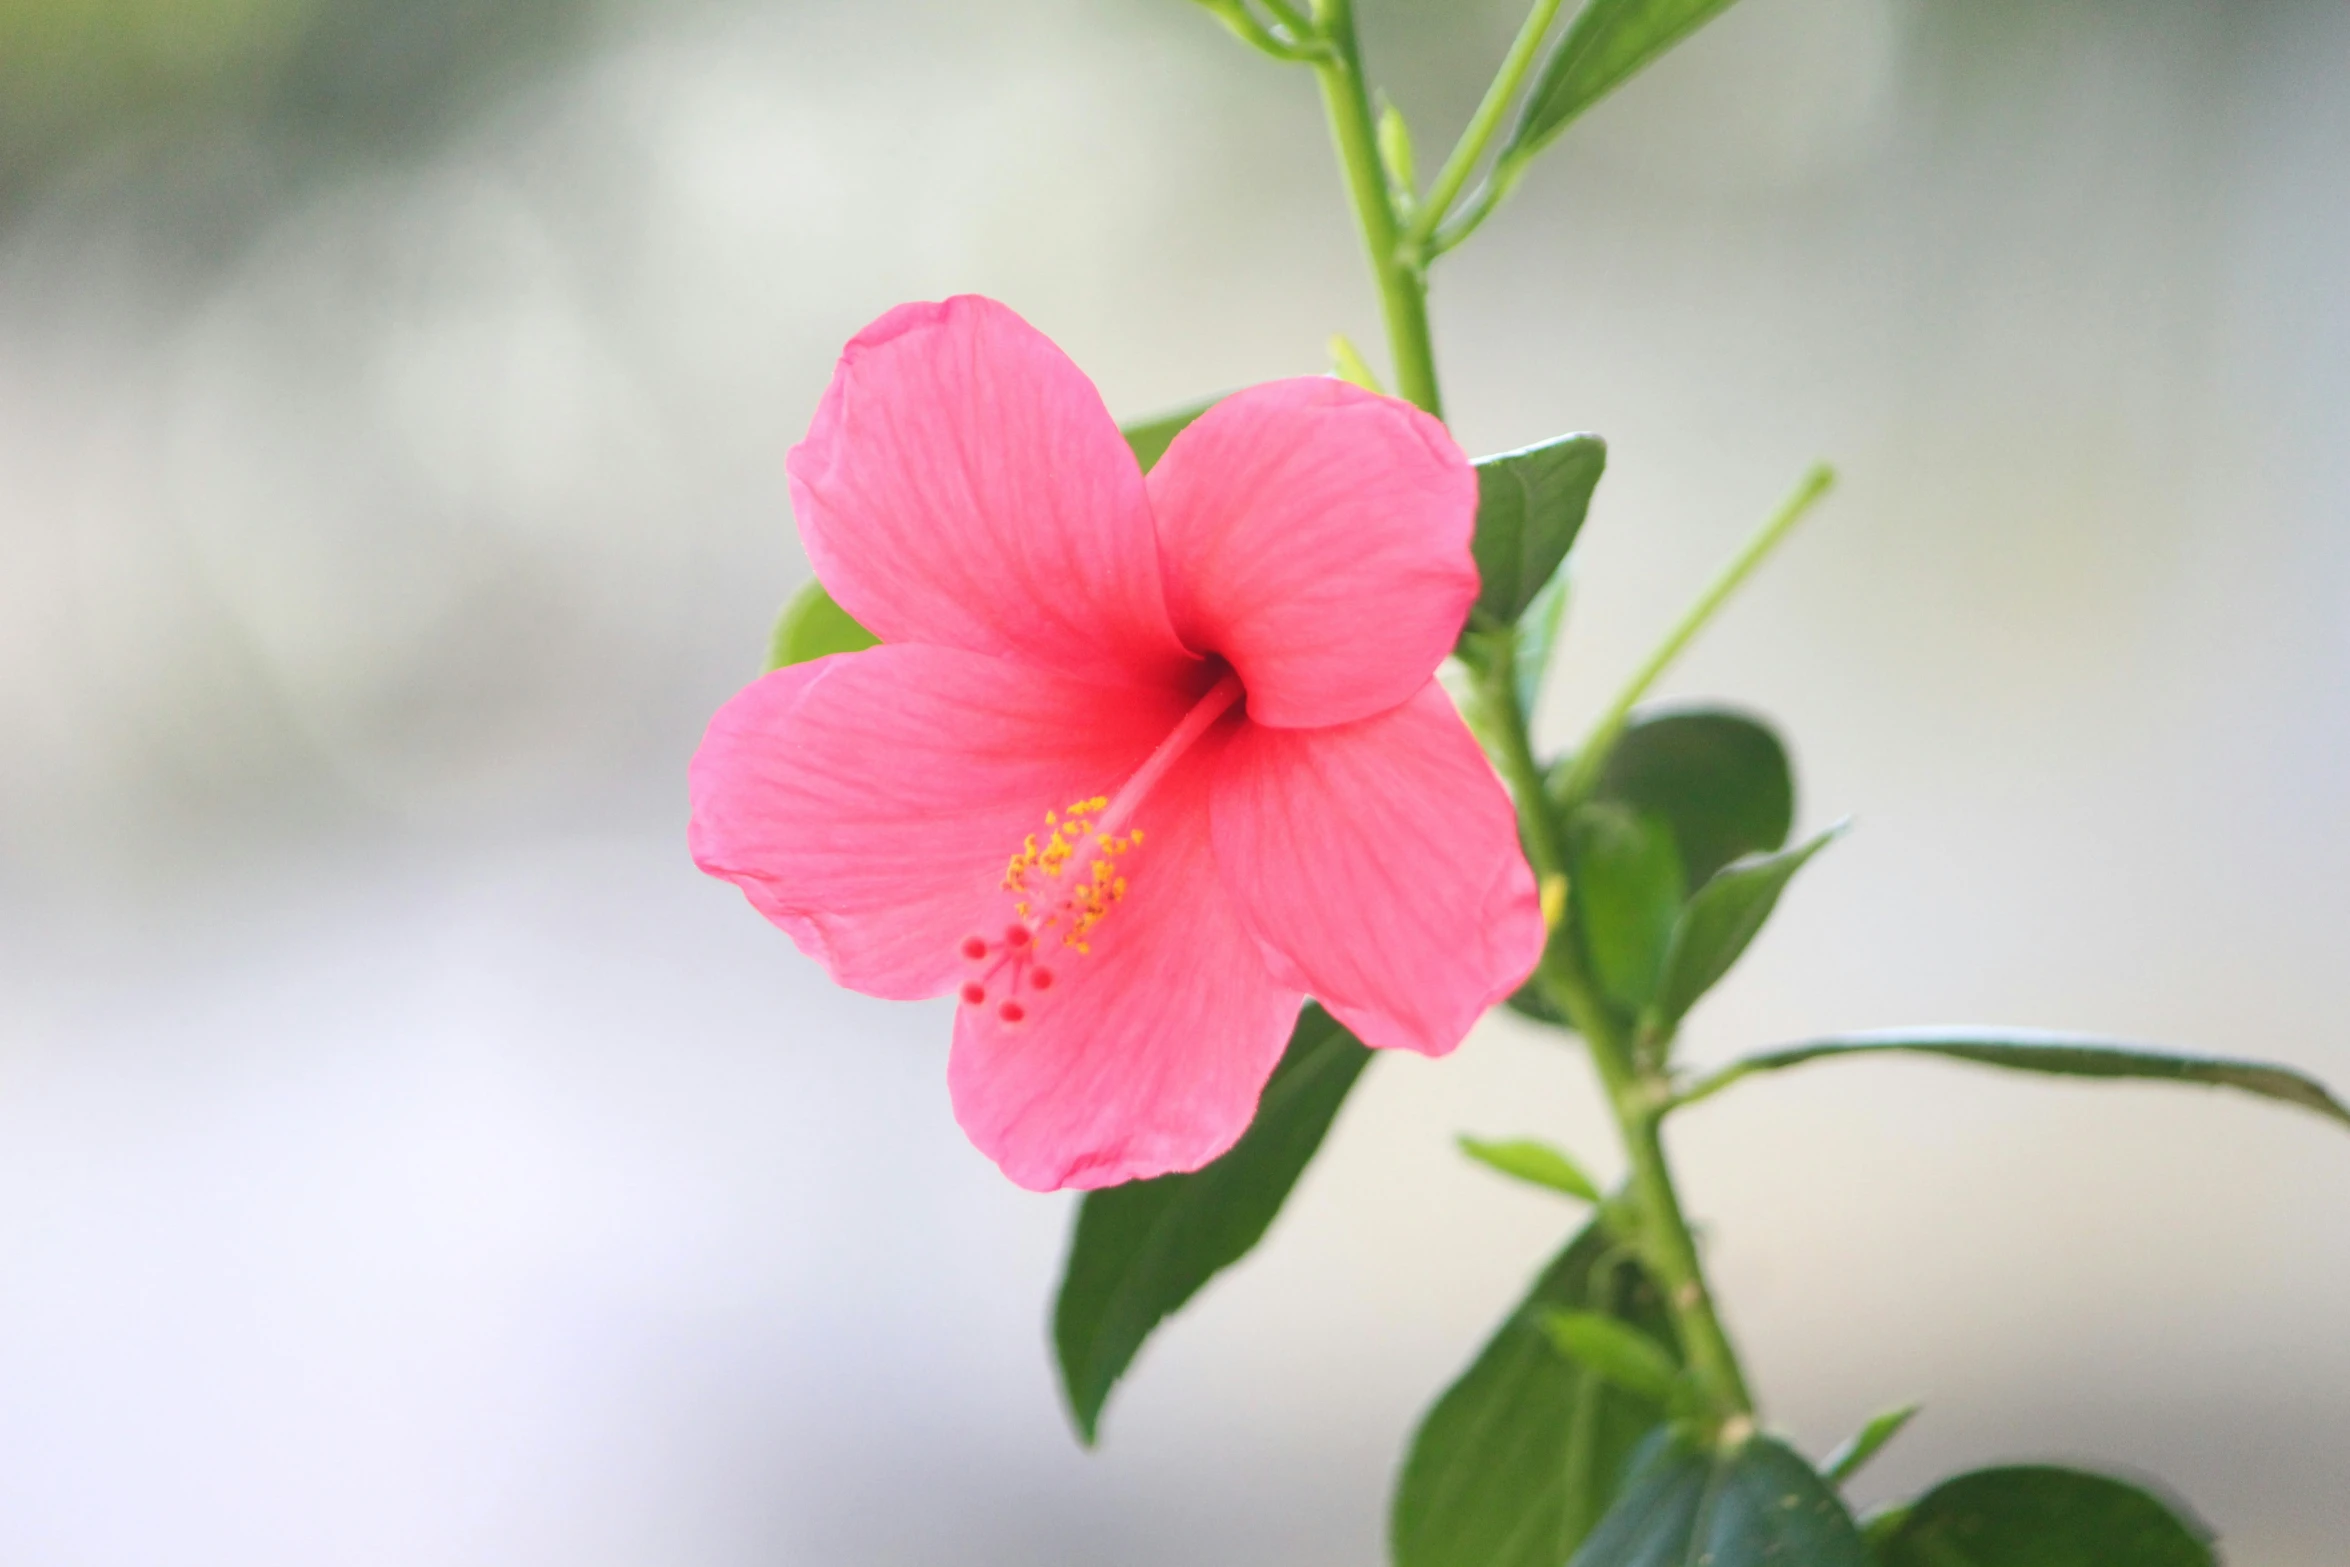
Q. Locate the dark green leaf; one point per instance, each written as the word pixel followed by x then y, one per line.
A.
pixel 1530 505
pixel 1537 633
pixel 1150 438
pixel 1719 779
pixel 1141 1250
pixel 1760 1506
pixel 1537 1164
pixel 1608 41
pixel 1866 1443
pixel 1715 928
pixel 811 626
pixel 1624 876
pixel 2062 1055
pixel 1520 1456
pixel 1531 1000
pixel 2040 1517
pixel 1622 1355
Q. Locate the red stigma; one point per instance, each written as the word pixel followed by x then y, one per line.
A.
pixel 974 948
pixel 1015 936
pixel 973 993
pixel 1011 1011
pixel 1041 978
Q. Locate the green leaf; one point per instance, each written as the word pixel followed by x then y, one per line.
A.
pixel 811 626
pixel 1141 1250
pixel 1537 632
pixel 2040 1517
pixel 1759 1506
pixel 1624 876
pixel 1720 779
pixel 1530 505
pixel 1532 1001
pixel 1715 928
pixel 1866 1443
pixel 1150 438
pixel 1624 1356
pixel 2062 1055
pixel 1608 42
pixel 1522 1455
pixel 1537 1164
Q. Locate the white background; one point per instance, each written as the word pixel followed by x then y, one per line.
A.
pixel 405 1157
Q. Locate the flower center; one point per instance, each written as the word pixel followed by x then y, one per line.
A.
pixel 1061 884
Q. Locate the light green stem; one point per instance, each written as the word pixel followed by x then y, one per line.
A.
pixel 1711 1084
pixel 1479 133
pixel 1497 185
pixel 1236 16
pixel 1403 290
pixel 1584 773
pixel 1666 1244
pixel 1511 746
pixel 1288 16
pixel 1636 1096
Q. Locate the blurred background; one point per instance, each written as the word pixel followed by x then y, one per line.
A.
pixel 406 1157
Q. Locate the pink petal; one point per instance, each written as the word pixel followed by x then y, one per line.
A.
pixel 1379 865
pixel 962 485
pixel 1317 536
pixel 867 803
pixel 1148 1053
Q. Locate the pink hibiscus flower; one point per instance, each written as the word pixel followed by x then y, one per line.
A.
pixel 1140 764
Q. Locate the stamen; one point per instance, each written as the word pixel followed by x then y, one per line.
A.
pixel 1204 712
pixel 1064 882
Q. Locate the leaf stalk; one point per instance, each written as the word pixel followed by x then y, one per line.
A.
pixel 1478 135
pixel 1583 773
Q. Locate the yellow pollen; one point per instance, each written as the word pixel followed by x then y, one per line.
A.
pixel 1069 914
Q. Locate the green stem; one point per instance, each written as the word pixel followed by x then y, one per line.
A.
pixel 1288 16
pixel 1403 290
pixel 1638 1098
pixel 1242 24
pixel 1503 724
pixel 1497 185
pixel 1636 1095
pixel 1479 134
pixel 1585 772
pixel 1711 1084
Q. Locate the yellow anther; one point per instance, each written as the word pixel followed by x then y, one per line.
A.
pixel 1070 913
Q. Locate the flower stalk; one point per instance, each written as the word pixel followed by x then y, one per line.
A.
pixel 1403 284
pixel 1637 1091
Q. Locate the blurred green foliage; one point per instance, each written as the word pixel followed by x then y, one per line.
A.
pixel 69 66
pixel 331 79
